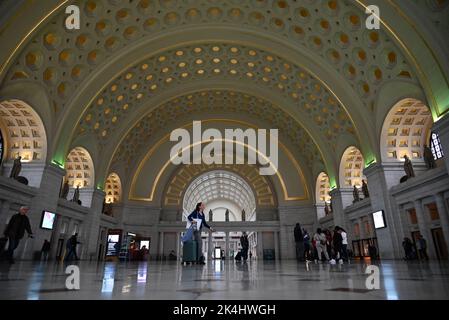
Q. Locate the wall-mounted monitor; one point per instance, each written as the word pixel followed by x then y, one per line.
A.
pixel 379 219
pixel 48 220
pixel 145 243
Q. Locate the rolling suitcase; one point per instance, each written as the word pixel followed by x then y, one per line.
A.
pixel 189 252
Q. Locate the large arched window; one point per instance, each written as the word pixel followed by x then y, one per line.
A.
pixel 435 146
pixel 79 168
pixel 25 132
pixel 322 189
pixel 113 188
pixel 221 189
pixel 351 168
pixel 1 146
pixel 405 130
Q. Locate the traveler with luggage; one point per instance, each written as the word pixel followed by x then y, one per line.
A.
pixel 245 245
pixel 198 219
pixel 18 224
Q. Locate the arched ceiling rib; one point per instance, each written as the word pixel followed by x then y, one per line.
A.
pixel 215 102
pixel 332 30
pixel 220 185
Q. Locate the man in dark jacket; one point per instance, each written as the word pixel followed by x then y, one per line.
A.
pixel 71 248
pixel 195 216
pixel 244 242
pixel 18 224
pixel 299 240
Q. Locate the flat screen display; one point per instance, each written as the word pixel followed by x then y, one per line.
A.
pixel 379 219
pixel 113 245
pixel 48 220
pixel 217 253
pixel 113 238
pixel 145 243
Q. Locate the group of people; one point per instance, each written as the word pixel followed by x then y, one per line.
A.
pixel 410 251
pixel 324 245
pixel 15 231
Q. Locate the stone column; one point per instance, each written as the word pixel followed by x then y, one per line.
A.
pixel 92 224
pixel 362 234
pixel 441 127
pixel 276 245
pixel 405 230
pixel 443 213
pixel 4 213
pixel 227 245
pixel 341 198
pixel 424 227
pixel 380 179
pixel 209 246
pixel 46 199
pixel 259 245
pixel 55 237
pixel 320 213
pixel 161 244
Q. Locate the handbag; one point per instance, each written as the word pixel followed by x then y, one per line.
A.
pixel 188 236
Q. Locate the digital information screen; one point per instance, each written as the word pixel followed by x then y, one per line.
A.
pixel 48 220
pixel 379 220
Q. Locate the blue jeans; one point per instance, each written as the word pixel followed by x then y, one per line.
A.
pixel 71 254
pixel 13 244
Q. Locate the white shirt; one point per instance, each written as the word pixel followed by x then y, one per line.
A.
pixel 344 237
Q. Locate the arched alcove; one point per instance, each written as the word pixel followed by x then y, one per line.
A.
pixel 220 187
pixel 23 134
pixel 351 168
pixel 113 188
pixel 80 173
pixel 322 189
pixel 80 168
pixel 405 131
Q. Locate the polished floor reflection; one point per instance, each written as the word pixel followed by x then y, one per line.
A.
pixel 225 280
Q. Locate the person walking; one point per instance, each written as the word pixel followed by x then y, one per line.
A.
pixel 337 243
pixel 71 248
pixel 45 249
pixel 422 248
pixel 307 248
pixel 320 241
pixel 244 242
pixel 299 241
pixel 344 244
pixel 198 217
pixel 408 248
pixel 15 230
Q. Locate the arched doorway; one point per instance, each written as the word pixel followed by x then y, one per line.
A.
pixel 228 198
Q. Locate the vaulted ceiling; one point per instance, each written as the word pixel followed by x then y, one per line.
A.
pixel 309 68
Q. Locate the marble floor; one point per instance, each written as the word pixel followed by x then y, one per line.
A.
pixel 225 280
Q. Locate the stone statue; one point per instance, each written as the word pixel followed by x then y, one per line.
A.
pixel 243 215
pixel 326 209
pixel 64 190
pixel 428 158
pixel 365 189
pixel 408 168
pixel 17 166
pixel 227 215
pixel 211 215
pixel 76 194
pixel 355 194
